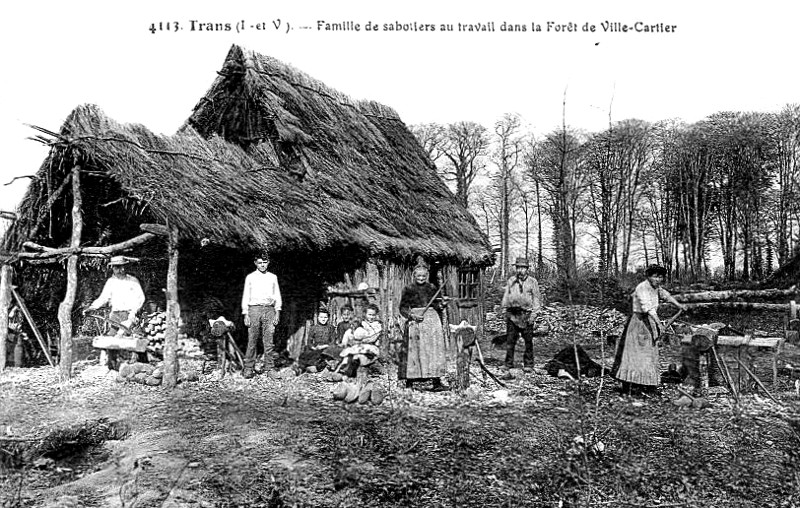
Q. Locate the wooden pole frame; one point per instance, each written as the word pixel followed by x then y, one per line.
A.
pixel 6 275
pixel 66 306
pixel 171 364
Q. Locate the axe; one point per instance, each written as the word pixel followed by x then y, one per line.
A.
pixel 113 323
pixel 672 319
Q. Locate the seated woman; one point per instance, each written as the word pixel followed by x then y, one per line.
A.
pixel 321 347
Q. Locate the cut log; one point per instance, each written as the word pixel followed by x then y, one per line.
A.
pixel 777 307
pixel 716 296
pixel 703 338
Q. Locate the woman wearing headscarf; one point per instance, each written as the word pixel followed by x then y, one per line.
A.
pixel 636 359
pixel 422 354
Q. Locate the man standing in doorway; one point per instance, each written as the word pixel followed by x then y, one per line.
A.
pixel 261 307
pixel 521 302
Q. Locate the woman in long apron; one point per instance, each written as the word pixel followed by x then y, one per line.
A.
pixel 422 355
pixel 636 358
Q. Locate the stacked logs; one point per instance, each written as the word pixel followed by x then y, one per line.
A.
pixel 155 328
pixel 559 318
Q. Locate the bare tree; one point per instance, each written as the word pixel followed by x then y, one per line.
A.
pixel 432 138
pixel 615 161
pixel 787 199
pixel 506 157
pixel 562 176
pixel 464 148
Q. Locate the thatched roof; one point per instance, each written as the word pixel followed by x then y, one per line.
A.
pixel 301 166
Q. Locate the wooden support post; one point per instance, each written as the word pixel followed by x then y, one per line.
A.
pixel 5 303
pixel 65 308
pixel 462 365
pixel 171 366
pixel 465 339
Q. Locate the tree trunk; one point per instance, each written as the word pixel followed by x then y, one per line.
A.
pixel 171 366
pixel 539 246
pixel 5 304
pixel 782 307
pixel 716 296
pixel 65 308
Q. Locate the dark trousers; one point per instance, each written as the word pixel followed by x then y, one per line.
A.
pixel 512 334
pixel 261 328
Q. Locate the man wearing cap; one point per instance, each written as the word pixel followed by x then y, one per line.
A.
pixel 123 293
pixel 521 303
pixel 261 308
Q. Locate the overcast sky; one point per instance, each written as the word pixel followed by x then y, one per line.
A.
pixel 57 55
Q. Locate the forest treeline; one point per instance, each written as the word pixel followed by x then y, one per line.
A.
pixel 717 198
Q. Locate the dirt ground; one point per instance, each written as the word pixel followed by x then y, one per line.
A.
pixel 286 442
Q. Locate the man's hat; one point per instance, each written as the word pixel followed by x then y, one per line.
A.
pixel 522 262
pixel 118 261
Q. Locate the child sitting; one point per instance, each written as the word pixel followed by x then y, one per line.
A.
pixel 361 342
pixel 321 346
pixel 344 323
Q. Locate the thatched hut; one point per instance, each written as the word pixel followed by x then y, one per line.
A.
pixel 339 192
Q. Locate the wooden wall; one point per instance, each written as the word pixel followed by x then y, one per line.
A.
pixel 386 281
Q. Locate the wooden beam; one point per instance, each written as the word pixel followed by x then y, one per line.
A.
pixel 107 250
pixel 65 308
pixel 156 229
pixel 5 303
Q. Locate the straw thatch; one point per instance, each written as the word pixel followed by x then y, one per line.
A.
pixel 380 188
pixel 301 167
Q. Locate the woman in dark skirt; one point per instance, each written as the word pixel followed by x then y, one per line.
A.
pixel 422 355
pixel 636 358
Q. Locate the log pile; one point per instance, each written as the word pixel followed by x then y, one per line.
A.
pixel 155 327
pixel 559 318
pixel 739 299
pixel 148 374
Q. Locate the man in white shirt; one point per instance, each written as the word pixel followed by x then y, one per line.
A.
pixel 261 307
pixel 123 293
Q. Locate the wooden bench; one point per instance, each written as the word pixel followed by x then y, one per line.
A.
pixel 129 343
pixel 742 342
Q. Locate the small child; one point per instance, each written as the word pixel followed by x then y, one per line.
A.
pixel 361 342
pixel 344 323
pixel 373 327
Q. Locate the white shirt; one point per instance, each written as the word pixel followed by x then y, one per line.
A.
pixel 646 297
pixel 122 294
pixel 261 289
